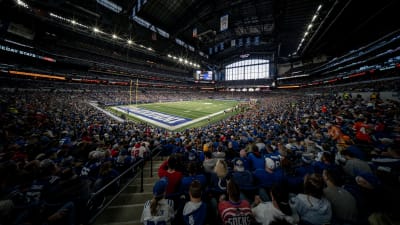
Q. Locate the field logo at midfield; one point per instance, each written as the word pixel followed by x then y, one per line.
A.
pixel 170 120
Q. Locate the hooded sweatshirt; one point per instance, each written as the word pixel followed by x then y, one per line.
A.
pixel 194 213
pixel 313 210
pixel 265 213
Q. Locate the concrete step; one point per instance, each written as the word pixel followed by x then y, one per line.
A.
pixel 156 164
pixel 133 198
pixel 146 180
pixel 122 214
pixel 146 172
pixel 127 208
pixel 136 188
pixel 132 222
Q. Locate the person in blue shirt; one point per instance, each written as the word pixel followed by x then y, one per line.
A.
pixel 255 158
pixel 192 175
pixel 267 177
pixel 195 210
pixel 245 180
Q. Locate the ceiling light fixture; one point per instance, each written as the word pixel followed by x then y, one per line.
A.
pixel 308 28
pixel 23 4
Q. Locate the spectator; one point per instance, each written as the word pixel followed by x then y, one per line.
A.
pixel 276 209
pixel 233 210
pixel 105 176
pixel 267 177
pixel 138 151
pixel 159 209
pixel 312 207
pixel 168 169
pixel 193 174
pixel 219 179
pixel 255 158
pixel 218 184
pixel 195 210
pixel 353 165
pixel 209 162
pixel 245 180
pixel 344 205
pixel 369 195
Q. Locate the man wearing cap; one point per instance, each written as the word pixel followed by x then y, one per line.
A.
pixel 267 177
pixel 158 210
pixel 244 179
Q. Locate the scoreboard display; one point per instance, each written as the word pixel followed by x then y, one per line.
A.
pixel 203 75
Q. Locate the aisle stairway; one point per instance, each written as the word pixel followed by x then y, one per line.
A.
pixel 127 208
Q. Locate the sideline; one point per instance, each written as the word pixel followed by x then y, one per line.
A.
pixel 119 119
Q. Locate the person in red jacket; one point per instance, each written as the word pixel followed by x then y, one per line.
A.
pixel 168 169
pixel 324 109
pixel 362 130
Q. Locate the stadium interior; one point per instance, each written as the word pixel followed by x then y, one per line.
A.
pixel 100 101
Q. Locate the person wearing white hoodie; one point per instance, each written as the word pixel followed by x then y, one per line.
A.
pixel 278 209
pixel 311 206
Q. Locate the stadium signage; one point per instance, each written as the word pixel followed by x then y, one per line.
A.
pixel 156 116
pixel 21 52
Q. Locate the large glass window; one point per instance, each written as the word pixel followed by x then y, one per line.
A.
pixel 247 70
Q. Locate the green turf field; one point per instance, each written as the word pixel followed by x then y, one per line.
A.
pixel 190 109
pixel 201 112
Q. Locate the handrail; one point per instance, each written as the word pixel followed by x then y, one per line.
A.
pixel 101 210
pixel 117 178
pixel 138 164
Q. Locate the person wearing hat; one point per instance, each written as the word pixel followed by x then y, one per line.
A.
pixel 158 210
pixel 244 179
pixel 267 177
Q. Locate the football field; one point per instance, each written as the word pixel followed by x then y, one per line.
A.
pixel 175 115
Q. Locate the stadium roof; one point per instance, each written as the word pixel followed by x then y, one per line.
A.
pixel 193 28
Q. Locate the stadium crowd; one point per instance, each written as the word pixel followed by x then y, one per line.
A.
pixel 314 159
